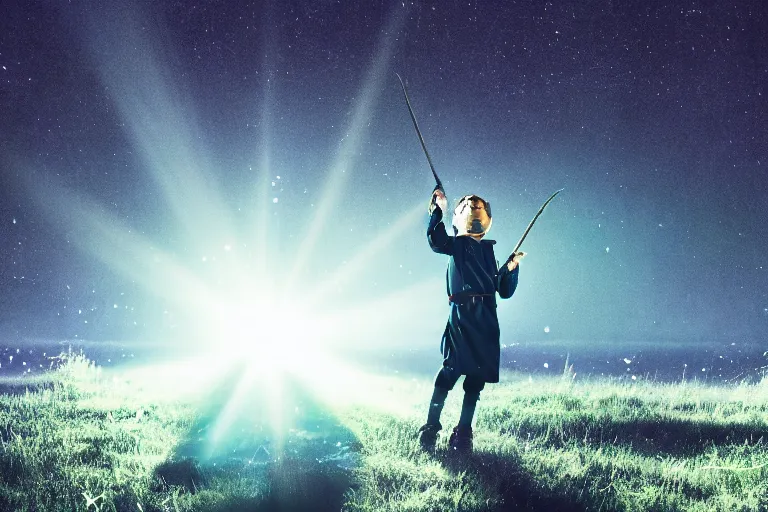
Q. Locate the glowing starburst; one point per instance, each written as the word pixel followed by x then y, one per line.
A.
pixel 247 312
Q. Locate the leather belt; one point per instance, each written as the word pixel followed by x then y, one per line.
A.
pixel 466 298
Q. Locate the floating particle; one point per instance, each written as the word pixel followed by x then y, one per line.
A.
pixel 607 249
pixel 546 329
pixel 274 200
pixel 627 360
pixel 546 365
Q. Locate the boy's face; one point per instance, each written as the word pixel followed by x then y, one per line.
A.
pixel 471 217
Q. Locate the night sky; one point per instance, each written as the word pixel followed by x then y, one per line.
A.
pixel 187 127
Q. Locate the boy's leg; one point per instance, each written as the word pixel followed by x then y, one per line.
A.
pixel 461 437
pixel 472 388
pixel 436 405
pixel 444 382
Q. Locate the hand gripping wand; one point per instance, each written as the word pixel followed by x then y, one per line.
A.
pixel 530 225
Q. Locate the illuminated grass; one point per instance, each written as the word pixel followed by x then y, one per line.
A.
pixel 80 441
pixel 552 444
pixel 73 440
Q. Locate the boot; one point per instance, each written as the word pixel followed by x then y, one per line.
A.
pixel 460 441
pixel 428 436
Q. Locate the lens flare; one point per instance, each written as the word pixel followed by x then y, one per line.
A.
pixel 263 325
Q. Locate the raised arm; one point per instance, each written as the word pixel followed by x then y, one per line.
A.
pixel 438 238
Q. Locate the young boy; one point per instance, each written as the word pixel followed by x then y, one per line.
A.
pixel 470 343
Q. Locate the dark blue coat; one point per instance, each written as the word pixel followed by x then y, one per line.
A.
pixel 470 344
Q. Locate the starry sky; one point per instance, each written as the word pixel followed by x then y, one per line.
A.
pixel 179 126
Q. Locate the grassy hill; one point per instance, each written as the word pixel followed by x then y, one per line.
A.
pixel 76 439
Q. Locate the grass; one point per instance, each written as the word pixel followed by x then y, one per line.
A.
pixel 76 440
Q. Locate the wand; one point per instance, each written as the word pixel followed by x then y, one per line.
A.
pixel 530 225
pixel 439 184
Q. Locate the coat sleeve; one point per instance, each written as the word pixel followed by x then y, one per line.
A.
pixel 506 281
pixel 437 237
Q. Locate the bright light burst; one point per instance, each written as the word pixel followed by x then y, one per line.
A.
pixel 270 329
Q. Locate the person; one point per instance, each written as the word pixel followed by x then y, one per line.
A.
pixel 470 342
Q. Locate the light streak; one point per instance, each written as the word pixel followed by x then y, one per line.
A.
pixel 272 324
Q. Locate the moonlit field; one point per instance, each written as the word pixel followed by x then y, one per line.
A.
pixel 217 291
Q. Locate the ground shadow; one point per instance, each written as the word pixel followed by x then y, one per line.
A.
pixel 304 464
pixel 680 437
pixel 18 388
pixel 653 436
pixel 517 489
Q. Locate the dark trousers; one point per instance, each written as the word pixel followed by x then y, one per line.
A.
pixel 447 379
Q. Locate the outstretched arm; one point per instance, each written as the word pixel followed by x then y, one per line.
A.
pixel 506 281
pixel 438 238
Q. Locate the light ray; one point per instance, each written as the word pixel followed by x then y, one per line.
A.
pixel 390 316
pixel 153 111
pixel 352 386
pixel 261 204
pixel 117 244
pixel 364 256
pixel 277 336
pixel 350 147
